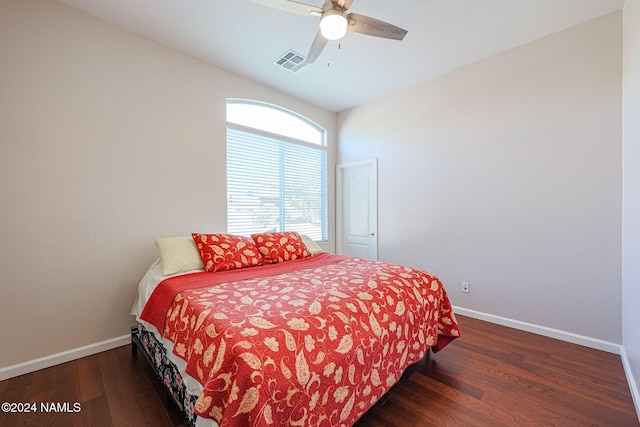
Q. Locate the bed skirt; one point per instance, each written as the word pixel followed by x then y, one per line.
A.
pixel 167 372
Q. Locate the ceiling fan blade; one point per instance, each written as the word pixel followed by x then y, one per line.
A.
pixel 292 6
pixel 316 48
pixel 374 27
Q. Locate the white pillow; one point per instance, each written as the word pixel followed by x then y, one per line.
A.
pixel 178 254
pixel 311 245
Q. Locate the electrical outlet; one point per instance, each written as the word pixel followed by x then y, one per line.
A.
pixel 466 287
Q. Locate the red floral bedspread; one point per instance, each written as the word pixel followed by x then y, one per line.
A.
pixel 311 347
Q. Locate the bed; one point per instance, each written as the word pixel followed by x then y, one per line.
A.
pixel 272 331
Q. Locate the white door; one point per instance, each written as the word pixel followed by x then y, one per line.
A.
pixel 357 215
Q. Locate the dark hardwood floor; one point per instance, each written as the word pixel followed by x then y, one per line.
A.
pixel 492 376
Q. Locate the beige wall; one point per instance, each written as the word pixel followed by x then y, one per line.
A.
pixel 631 185
pixel 506 173
pixel 107 141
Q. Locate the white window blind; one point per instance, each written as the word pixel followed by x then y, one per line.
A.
pixel 275 183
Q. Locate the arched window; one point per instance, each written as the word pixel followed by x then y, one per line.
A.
pixel 276 171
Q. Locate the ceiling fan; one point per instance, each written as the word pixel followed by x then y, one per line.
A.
pixel 335 22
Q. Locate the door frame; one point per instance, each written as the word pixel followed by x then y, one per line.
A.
pixel 340 204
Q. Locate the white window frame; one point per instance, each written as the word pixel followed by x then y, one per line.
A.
pixel 236 132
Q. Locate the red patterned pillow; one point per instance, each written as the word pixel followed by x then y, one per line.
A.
pixel 226 251
pixel 280 247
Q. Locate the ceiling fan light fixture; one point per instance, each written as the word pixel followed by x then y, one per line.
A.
pixel 333 24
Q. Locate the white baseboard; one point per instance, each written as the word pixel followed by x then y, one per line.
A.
pixel 542 330
pixel 563 336
pixel 633 385
pixel 65 356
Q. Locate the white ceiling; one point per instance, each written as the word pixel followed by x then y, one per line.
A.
pixel 246 38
